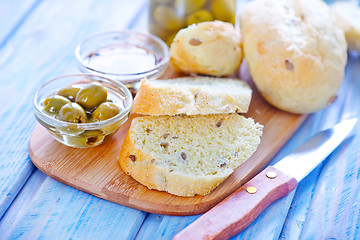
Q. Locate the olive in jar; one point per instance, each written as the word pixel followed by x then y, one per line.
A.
pixel 223 10
pixel 189 6
pixel 168 18
pixel 199 16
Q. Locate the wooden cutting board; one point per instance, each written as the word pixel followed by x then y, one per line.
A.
pixel 96 170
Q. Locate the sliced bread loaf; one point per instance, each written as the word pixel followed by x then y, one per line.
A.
pixel 187 155
pixel 192 96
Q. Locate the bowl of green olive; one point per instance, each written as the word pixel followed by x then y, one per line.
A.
pixel 82 110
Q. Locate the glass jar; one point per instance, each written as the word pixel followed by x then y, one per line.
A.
pixel 167 17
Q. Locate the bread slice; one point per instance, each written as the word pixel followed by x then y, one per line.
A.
pixel 192 96
pixel 187 155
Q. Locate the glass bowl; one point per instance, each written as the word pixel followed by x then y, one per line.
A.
pixel 124 56
pixel 83 135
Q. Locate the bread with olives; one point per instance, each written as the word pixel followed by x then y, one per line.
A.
pixel 295 52
pixel 192 95
pixel 187 155
pixel 210 48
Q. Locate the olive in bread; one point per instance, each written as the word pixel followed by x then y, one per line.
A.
pixel 192 95
pixel 295 52
pixel 187 155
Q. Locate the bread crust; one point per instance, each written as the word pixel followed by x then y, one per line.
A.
pixel 175 98
pixel 295 52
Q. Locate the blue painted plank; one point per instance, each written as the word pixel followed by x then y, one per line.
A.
pixel 43 48
pixel 334 209
pixel 163 227
pixel 48 209
pixel 12 14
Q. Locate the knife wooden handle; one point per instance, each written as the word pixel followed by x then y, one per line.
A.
pixel 241 208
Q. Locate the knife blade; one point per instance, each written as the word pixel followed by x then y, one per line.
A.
pixel 242 207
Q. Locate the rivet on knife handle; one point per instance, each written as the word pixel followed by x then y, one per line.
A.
pixel 237 211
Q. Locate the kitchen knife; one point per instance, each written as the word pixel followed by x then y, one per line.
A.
pixel 242 207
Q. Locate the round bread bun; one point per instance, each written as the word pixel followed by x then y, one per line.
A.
pixel 295 52
pixel 210 48
pixel 349 14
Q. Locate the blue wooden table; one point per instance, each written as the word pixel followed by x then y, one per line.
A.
pixel 37 41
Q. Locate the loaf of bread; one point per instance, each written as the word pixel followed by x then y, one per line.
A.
pixel 349 14
pixel 295 52
pixel 191 96
pixel 210 48
pixel 187 155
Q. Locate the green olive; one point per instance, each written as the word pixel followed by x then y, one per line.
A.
pixel 189 6
pixel 53 103
pixel 167 18
pixel 72 112
pixel 91 133
pixel 93 137
pixel 158 30
pixel 69 92
pixel 224 10
pixel 84 141
pixel 199 16
pixel 91 95
pixel 105 111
